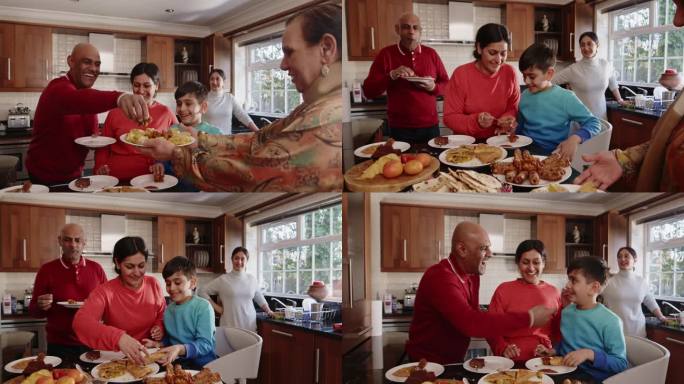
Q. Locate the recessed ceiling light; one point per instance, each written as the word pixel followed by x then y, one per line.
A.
pixel 169 10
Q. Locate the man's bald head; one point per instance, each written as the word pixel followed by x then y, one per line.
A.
pixel 408 17
pixel 408 28
pixel 84 65
pixel 470 247
pixel 72 241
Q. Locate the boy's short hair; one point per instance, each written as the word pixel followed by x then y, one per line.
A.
pixel 179 264
pixel 194 87
pixel 539 56
pixel 592 268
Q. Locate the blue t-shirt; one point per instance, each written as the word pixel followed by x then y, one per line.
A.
pixel 600 330
pixel 545 116
pixel 192 324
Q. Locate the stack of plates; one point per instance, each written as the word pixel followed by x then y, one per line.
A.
pixel 201 259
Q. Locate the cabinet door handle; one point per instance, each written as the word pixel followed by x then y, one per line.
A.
pixel 281 333
pixel 318 360
pixel 631 121
pixel 162 253
pixel 24 249
pixel 9 68
pixel 674 340
pixel 439 249
pixel 351 286
pixel 47 70
pixel 510 37
pixel 604 251
pixel 372 38
pixel 222 256
pixel 405 250
pixel 572 45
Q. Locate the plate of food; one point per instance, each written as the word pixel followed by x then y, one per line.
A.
pixel 552 365
pixel 400 373
pixel 137 137
pixel 588 187
pixel 95 141
pixel 177 375
pixel 27 187
pixel 367 151
pixel 97 357
pixel 93 183
pixel 460 181
pixel 516 376
pixel 123 189
pixel 472 156
pixel 418 79
pixel 450 141
pixel 71 303
pixel 151 184
pixel 33 363
pixel 526 170
pixel 488 364
pixel 509 141
pixel 123 371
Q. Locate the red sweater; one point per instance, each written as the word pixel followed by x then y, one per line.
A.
pixel 64 281
pixel 113 309
pixel 471 92
pixel 63 114
pixel 446 315
pixel 124 160
pixel 519 296
pixel 407 105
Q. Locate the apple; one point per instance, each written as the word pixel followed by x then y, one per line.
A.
pixel 424 159
pixel 407 157
pixel 66 380
pixel 393 169
pixel 74 374
pixel 413 167
pixel 45 380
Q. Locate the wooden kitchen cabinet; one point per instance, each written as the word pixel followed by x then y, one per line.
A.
pixel 228 234
pixel 328 361
pixel 550 229
pixel 610 234
pixel 26 57
pixel 160 50
pixel 520 23
pixel 370 25
pixel 287 355
pixel 674 342
pixel 28 236
pixel 578 17
pixel 629 128
pixel 412 237
pixel 170 239
pixel 216 53
pixel 7 60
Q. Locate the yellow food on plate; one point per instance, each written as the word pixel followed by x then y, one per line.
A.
pixel 376 168
pixel 138 371
pixel 553 187
pixel 370 150
pixel 460 155
pixel 112 369
pixel 483 152
pixel 138 136
pixel 33 378
pixel 22 364
pixel 520 376
pixel 588 186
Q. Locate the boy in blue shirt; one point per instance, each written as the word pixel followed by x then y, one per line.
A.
pixel 188 319
pixel 546 110
pixel 591 333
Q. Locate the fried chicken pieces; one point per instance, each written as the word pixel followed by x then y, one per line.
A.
pixel 176 375
pixel 527 167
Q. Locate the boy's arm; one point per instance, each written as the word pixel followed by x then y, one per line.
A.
pixel 203 343
pixel 612 358
pixel 589 124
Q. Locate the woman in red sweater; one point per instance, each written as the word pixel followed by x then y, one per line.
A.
pixel 482 97
pixel 122 160
pixel 121 312
pixel 519 296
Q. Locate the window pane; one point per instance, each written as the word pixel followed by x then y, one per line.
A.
pixel 337 255
pixel 278 282
pixel 679 260
pixel 675 43
pixel 654 285
pixel 667 288
pixel 291 282
pixel 668 260
pixel 643 45
pixel 282 232
pixel 308 225
pixel 642 71
pixel 266 282
pixel 323 276
pixel 305 257
pixel 322 222
pixel 337 219
pixel 617 65
pixel 291 255
pixel 628 72
pixel 670 11
pixel 266 102
pixel 657 67
pixel 293 100
pixel 322 256
pixel 254 98
pixel 278 79
pixel 626 47
pixel 337 283
pixel 277 259
pixel 279 102
pixel 266 258
pixel 304 281
pixel 657 45
pixel 662 7
pixel 674 63
pixel 679 284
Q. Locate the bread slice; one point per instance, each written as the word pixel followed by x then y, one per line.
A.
pixel 138 371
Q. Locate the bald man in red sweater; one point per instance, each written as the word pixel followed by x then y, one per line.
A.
pixel 446 312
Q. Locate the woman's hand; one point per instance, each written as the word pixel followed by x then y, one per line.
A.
pixel 541 350
pixel 172 353
pixel 103 170
pixel 159 149
pixel 132 349
pixel 507 124
pixel 156 333
pixel 604 171
pixel 151 343
pixel 578 357
pixel 485 120
pixel 511 351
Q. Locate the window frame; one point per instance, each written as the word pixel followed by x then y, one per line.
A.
pixel 660 246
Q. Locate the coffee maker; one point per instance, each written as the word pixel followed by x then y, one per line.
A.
pixel 410 296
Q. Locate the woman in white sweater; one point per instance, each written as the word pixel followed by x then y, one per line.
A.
pixel 590 76
pixel 221 106
pixel 236 289
pixel 626 291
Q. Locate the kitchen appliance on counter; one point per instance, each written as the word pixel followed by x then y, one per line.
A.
pixel 410 297
pixel 19 117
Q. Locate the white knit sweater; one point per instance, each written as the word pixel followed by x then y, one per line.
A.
pixel 221 107
pixel 236 290
pixel 624 294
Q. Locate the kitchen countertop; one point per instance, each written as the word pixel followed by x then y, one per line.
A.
pixel 20 318
pixel 653 322
pixel 324 328
pixel 655 113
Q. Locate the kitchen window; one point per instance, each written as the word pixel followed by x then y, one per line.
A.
pixel 295 251
pixel 665 258
pixel 269 89
pixel 644 42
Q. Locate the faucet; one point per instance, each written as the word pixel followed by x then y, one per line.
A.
pixel 265 120
pixel 671 306
pixel 644 91
pixel 279 302
pixel 628 89
pixel 294 302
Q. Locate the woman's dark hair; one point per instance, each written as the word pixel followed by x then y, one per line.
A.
pixel 590 35
pixel 128 246
pixel 219 71
pixel 238 250
pixel 529 245
pixel 149 69
pixel 319 20
pixel 628 249
pixel 490 33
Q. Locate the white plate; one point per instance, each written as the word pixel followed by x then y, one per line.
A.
pixel 502 141
pixel 105 357
pixel 492 364
pixel 400 145
pixel 97 182
pixel 125 378
pixel 122 189
pixel 430 367
pixel 123 139
pixel 473 163
pixel 54 360
pixel 144 181
pixel 536 364
pixel 569 187
pixel 544 380
pixel 77 304
pixel 35 188
pixel 95 141
pixel 542 182
pixel 418 79
pixel 454 141
pixel 192 372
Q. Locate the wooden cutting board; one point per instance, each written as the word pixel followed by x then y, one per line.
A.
pixel 380 184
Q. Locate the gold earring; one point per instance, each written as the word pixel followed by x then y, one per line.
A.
pixel 325 70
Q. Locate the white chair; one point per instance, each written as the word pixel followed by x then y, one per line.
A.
pixel 600 142
pixel 239 352
pixel 648 361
